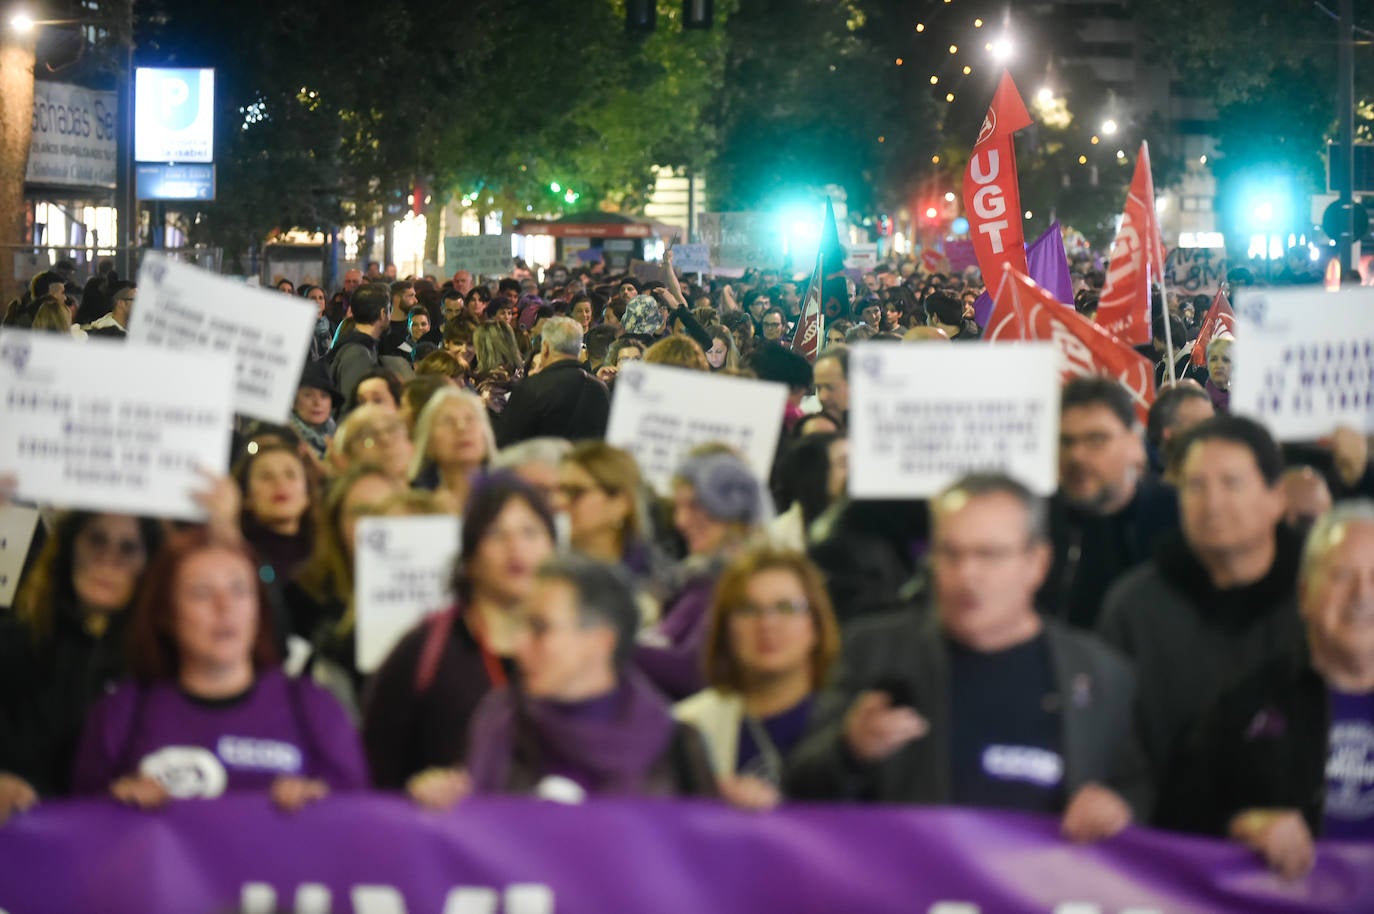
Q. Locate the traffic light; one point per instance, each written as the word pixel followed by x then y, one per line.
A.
pixel 641 15
pixel 697 14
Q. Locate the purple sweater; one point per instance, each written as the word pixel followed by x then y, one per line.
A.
pixel 198 748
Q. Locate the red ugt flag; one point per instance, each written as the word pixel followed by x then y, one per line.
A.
pixel 806 338
pixel 992 197
pixel 1137 258
pixel 1220 319
pixel 1024 311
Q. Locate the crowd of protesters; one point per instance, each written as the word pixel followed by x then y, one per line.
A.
pixel 1183 636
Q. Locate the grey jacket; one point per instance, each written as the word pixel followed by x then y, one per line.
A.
pixel 1096 688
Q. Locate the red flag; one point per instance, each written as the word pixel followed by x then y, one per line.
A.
pixel 806 338
pixel 1220 319
pixel 992 197
pixel 1137 258
pixel 1024 311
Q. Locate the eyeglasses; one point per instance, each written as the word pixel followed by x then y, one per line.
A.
pixel 774 324
pixel 376 437
pixel 98 543
pixel 787 609
pixel 572 492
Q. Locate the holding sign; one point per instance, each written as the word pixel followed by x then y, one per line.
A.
pixel 187 309
pixel 106 426
pixel 659 413
pixel 1304 363
pixel 402 574
pixel 912 433
pixel 480 255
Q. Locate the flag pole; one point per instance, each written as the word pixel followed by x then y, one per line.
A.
pixel 1157 243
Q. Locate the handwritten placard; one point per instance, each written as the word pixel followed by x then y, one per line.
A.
pixel 914 428
pixel 659 413
pixel 1303 361
pixel 112 426
pixel 186 309
pixel 481 255
pixel 692 258
pixel 403 567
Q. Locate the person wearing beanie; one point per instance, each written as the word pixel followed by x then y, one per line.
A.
pixel 718 506
pixel 312 415
pixel 644 319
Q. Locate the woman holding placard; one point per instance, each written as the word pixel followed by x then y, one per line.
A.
pixel 424 694
pixel 64 644
pixel 718 506
pixel 209 710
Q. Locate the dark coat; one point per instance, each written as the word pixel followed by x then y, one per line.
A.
pixel 562 401
pixel 1262 744
pixel 909 651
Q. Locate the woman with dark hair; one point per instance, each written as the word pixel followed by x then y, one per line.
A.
pixel 64 644
pixel 580 720
pixel 423 696
pixel 722 355
pixel 771 645
pixel 811 474
pixel 209 709
pixel 277 503
pixel 379 387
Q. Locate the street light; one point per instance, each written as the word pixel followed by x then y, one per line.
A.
pixel 1109 127
pixel 22 22
pixel 1002 49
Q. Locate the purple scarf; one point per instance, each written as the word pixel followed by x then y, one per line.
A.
pixel 1221 399
pixel 616 754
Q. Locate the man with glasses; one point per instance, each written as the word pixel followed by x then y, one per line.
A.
pixel 980 701
pixel 1107 516
pixel 774 325
pixel 116 323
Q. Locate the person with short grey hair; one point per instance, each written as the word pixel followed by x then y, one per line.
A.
pixel 561 399
pixel 1286 755
pixel 980 701
pixel 536 461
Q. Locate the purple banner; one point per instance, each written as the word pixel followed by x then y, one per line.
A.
pixel 1049 267
pixel 375 854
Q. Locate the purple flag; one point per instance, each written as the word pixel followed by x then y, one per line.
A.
pixel 1049 267
pixel 376 854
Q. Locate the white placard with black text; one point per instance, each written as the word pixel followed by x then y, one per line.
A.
pixel 1303 361
pixel 402 571
pixel 659 413
pixel 184 308
pixel 922 415
pixel 480 255
pixel 112 426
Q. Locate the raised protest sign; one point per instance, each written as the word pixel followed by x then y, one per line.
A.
pixel 17 527
pixel 186 309
pixel 911 432
pixel 111 426
pixel 1196 271
pixel 659 413
pixel 645 271
pixel 692 258
pixel 402 570
pixel 740 241
pixel 1306 361
pixel 373 854
pixel 481 255
pixel 862 257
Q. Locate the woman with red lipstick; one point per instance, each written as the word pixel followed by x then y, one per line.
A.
pixel 424 695
pixel 276 509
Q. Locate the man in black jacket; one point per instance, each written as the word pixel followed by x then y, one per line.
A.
pixel 561 400
pixel 355 355
pixel 982 702
pixel 1289 753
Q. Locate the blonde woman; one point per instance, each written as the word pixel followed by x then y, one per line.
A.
pixel 453 440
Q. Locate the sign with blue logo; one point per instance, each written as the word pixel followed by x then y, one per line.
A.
pixel 174 115
pixel 176 182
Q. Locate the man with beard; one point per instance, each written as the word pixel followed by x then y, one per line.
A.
pixel 1107 516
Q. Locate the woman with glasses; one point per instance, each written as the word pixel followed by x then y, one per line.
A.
pixel 374 436
pixel 771 644
pixel 453 441
pixel 64 644
pixel 209 710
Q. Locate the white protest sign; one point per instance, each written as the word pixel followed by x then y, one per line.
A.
pixel 1303 362
pixel 692 258
pixel 112 426
pixel 17 526
pixel 863 257
pixel 480 255
pixel 660 413
pixel 402 572
pixel 186 309
pixel 921 416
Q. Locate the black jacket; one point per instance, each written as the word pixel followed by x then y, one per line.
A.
pixel 351 358
pixel 1190 640
pixel 1092 551
pixel 1096 687
pixel 562 401
pixel 1262 744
